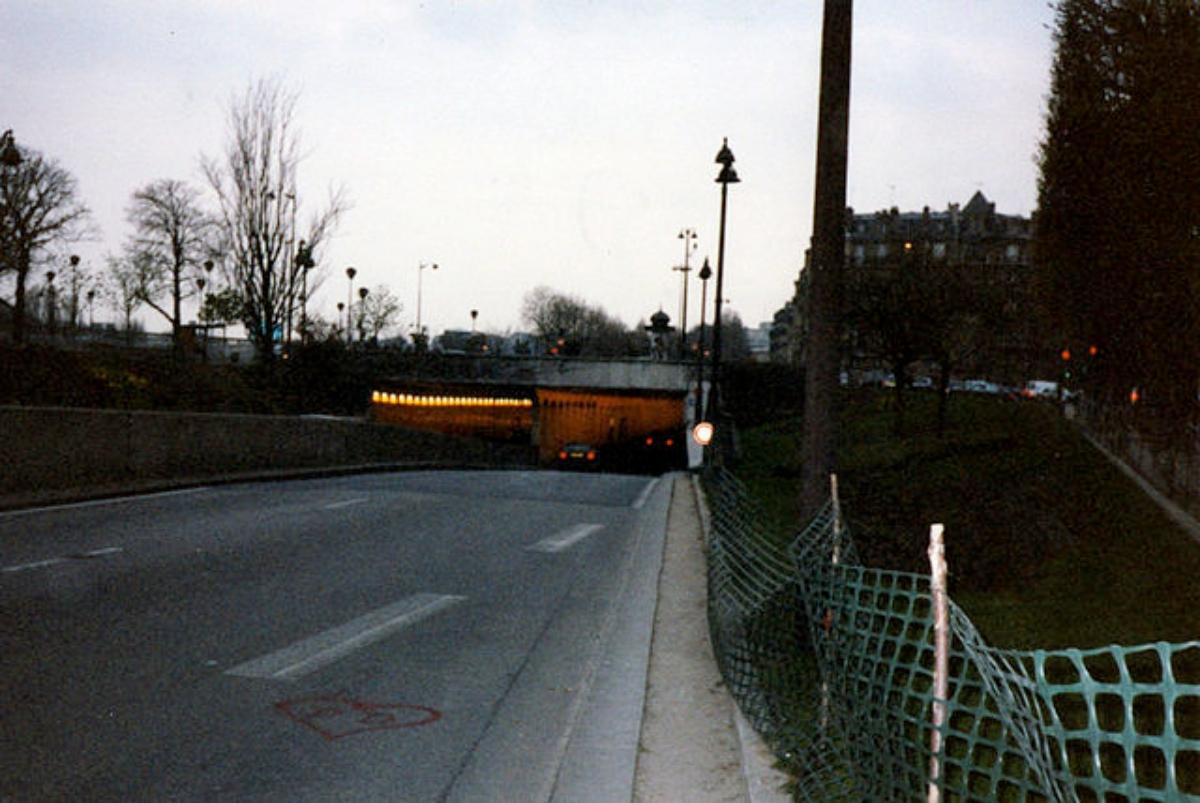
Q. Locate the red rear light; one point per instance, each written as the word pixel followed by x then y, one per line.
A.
pixel 591 455
pixel 562 455
pixel 649 441
pixel 670 441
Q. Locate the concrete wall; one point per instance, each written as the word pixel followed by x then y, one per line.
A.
pixel 52 448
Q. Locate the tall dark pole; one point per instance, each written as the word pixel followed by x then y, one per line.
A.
pixel 705 275
pixel 726 177
pixel 10 160
pixel 828 257
pixel 350 274
pixel 689 244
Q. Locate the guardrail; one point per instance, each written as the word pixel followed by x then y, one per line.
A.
pixel 833 662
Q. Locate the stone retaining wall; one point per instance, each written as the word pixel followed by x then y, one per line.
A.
pixel 51 448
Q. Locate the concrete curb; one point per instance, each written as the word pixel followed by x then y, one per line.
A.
pixel 764 783
pixel 1176 513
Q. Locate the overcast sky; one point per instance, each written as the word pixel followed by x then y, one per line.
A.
pixel 520 143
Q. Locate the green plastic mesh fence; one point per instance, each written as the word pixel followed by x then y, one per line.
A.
pixel 833 663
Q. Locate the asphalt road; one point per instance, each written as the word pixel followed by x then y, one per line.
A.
pixel 411 636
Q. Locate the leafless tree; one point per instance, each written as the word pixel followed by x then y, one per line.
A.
pixel 583 329
pixel 122 285
pixel 378 311
pixel 172 236
pixel 39 208
pixel 256 184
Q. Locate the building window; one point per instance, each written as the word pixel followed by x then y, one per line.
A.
pixel 1013 252
pixel 881 250
pixel 939 250
pixel 860 254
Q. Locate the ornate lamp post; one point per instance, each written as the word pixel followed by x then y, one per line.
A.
pixel 340 307
pixel 350 274
pixel 421 270
pixel 689 244
pixel 362 313
pixel 705 275
pixel 51 302
pixel 304 261
pixel 726 177
pixel 10 156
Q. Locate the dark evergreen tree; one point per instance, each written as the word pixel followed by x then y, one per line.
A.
pixel 1119 210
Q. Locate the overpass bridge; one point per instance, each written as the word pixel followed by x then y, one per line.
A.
pixel 635 412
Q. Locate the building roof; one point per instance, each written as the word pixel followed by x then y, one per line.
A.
pixel 979 205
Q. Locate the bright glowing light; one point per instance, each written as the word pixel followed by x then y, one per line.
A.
pixel 413 400
pixel 702 433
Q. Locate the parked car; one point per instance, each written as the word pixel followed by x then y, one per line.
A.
pixel 1040 389
pixel 983 386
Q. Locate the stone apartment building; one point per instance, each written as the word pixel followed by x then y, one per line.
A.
pixel 993 248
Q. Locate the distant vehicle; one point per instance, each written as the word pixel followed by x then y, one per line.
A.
pixel 1040 389
pixel 922 382
pixel 877 378
pixel 982 386
pixel 577 455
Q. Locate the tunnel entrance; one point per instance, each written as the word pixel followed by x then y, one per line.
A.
pixel 640 431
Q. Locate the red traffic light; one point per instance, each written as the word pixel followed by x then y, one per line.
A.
pixel 1066 355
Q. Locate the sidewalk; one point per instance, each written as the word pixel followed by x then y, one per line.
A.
pixel 694 744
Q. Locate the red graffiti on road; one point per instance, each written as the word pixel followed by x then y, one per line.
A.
pixel 338 715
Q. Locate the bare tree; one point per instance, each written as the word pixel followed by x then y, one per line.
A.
pixel 378 311
pixel 122 283
pixel 583 329
pixel 39 207
pixel 172 236
pixel 255 183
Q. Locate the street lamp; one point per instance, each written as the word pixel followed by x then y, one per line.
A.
pixel 474 316
pixel 362 313
pixel 340 307
pixel 705 275
pixel 10 155
pixel 50 302
pixel 304 261
pixel 420 270
pixel 689 244
pixel 350 274
pixel 726 177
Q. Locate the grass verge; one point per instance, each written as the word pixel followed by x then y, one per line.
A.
pixel 1049 545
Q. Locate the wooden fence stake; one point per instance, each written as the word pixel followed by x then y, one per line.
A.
pixel 941 656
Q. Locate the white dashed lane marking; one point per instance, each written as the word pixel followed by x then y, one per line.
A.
pixel 344 503
pixel 310 654
pixel 41 564
pixel 566 538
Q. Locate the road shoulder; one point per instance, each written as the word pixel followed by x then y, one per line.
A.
pixel 691 745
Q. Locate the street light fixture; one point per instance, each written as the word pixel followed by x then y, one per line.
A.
pixel 726 177
pixel 689 244
pixel 705 275
pixel 350 274
pixel 362 313
pixel 420 270
pixel 50 302
pixel 304 262
pixel 10 155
